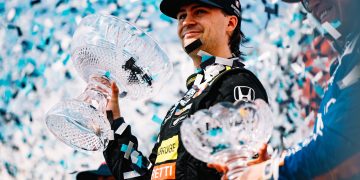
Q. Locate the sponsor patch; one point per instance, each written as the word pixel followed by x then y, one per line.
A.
pixel 163 171
pixel 244 93
pixel 168 149
pixel 187 97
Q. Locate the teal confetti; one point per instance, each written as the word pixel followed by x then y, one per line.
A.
pixel 139 161
pixel 66 59
pixel 7 95
pixel 215 132
pixel 156 119
pixel 166 18
pixel 335 24
pixel 107 74
pixel 205 58
pixel 11 169
pixel 198 70
pixel 319 90
pixel 2 7
pixel 155 77
pixel 297 17
pixel 153 138
pixel 291 33
pixel 28 88
pixel 219 148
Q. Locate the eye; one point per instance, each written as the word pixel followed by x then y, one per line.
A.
pixel 181 16
pixel 200 11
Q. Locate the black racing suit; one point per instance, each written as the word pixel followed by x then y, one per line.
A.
pixel 169 159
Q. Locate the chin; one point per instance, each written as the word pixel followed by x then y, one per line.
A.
pixel 189 41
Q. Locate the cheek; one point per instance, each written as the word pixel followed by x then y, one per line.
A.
pixel 178 31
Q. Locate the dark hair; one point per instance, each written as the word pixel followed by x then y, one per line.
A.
pixel 236 38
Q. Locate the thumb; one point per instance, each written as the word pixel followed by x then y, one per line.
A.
pixel 113 103
pixel 114 89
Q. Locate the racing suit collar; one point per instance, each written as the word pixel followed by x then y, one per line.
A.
pixel 211 66
pixel 208 59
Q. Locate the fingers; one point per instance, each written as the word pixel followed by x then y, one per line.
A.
pixel 255 172
pixel 115 89
pixel 263 156
pixel 219 168
pixel 113 104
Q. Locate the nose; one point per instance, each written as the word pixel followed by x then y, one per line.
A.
pixel 185 24
pixel 189 20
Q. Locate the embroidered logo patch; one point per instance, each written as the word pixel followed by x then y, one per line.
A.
pixel 244 93
pixel 168 149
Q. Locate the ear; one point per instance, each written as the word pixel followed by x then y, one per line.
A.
pixel 232 23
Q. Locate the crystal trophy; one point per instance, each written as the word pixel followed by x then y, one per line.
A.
pixel 106 49
pixel 228 134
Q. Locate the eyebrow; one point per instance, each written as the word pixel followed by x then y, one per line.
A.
pixel 194 7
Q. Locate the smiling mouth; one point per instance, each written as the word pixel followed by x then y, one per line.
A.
pixel 191 34
pixel 324 13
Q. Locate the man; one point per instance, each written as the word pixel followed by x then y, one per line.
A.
pixel 333 151
pixel 209 31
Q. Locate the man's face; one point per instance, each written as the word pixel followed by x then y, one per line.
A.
pixel 331 10
pixel 206 23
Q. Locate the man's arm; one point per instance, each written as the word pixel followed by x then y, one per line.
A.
pixel 332 147
pixel 333 152
pixel 122 155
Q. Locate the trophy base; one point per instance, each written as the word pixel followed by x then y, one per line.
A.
pixel 79 125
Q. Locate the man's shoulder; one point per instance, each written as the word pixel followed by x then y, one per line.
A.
pixel 237 76
pixel 240 81
pixel 234 73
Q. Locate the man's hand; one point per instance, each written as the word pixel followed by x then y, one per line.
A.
pixel 113 104
pixel 263 156
pixel 254 172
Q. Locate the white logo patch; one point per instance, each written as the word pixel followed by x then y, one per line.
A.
pixel 244 93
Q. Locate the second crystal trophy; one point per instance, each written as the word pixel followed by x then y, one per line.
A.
pixel 228 134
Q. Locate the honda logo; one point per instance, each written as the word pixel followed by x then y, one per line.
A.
pixel 244 93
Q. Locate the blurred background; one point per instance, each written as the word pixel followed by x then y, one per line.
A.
pixel 36 72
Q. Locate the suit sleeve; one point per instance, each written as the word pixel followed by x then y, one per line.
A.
pixel 122 155
pixel 333 152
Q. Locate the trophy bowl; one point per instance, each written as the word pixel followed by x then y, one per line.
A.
pixel 228 134
pixel 106 49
